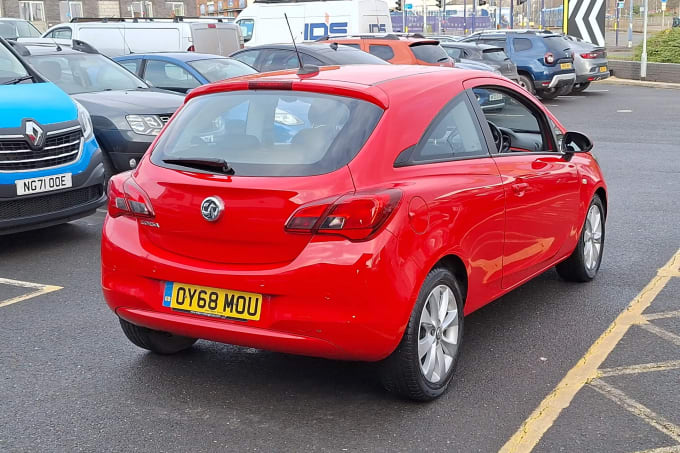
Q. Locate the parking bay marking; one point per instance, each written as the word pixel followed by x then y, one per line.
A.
pixel 39 290
pixel 586 370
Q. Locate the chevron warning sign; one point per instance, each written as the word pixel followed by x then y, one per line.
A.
pixel 586 20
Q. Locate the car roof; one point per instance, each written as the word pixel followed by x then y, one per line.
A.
pixel 376 83
pixel 470 45
pixel 180 56
pixel 408 40
pixel 41 49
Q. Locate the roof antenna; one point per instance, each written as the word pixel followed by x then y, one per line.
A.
pixel 304 70
pixel 56 45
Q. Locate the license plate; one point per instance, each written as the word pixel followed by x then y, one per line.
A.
pixel 44 184
pixel 208 301
pixel 565 65
pixel 495 97
pixel 603 69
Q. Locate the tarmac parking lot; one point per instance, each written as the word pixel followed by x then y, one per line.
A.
pixel 552 366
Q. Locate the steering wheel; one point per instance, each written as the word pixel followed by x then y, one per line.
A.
pixel 502 143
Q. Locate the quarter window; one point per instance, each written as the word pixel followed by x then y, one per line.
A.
pixel 521 44
pixel 248 57
pixel 381 51
pixel 455 134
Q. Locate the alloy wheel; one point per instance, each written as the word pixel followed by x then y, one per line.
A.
pixel 438 334
pixel 592 238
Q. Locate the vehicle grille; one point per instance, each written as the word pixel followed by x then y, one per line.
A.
pixel 59 149
pixel 45 204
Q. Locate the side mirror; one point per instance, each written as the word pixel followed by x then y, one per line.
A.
pixel 576 142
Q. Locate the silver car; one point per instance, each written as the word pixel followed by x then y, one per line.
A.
pixel 590 63
pixel 483 53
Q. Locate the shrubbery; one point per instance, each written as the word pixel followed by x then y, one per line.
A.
pixel 663 47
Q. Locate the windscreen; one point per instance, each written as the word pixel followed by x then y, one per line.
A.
pixel 495 55
pixel 269 132
pixel 430 53
pixel 12 29
pixel 85 73
pixel 11 68
pixel 221 68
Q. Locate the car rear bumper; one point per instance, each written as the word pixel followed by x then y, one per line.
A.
pixel 561 80
pixel 338 299
pixel 592 77
pixel 52 208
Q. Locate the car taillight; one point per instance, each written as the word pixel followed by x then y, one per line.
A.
pixel 127 198
pixel 590 55
pixel 354 216
pixel 191 48
pixel 549 58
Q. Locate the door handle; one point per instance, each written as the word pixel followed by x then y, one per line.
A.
pixel 519 188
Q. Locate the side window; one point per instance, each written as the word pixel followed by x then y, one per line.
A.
pixel 523 128
pixel 248 57
pixel 454 134
pixel 247 26
pixel 62 33
pixel 293 62
pixel 276 60
pixel 381 51
pixel 132 65
pixel 557 132
pixel 168 75
pixel 498 42
pixel 521 44
pixel 454 52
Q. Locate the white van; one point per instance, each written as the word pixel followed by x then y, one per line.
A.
pixel 263 22
pixel 116 37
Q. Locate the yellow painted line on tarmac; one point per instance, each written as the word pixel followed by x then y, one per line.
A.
pixel 671 449
pixel 637 409
pixel 542 418
pixel 39 290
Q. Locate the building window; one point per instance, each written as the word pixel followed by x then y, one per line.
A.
pixel 141 9
pixel 32 11
pixel 202 8
pixel 211 8
pixel 69 10
pixel 176 8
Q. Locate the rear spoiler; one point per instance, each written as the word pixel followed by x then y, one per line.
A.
pixel 372 94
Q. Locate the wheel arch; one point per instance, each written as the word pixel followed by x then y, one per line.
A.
pixel 602 194
pixel 455 265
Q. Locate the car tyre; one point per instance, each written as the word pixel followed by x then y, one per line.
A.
pixel 548 94
pixel 579 87
pixel 422 365
pixel 527 83
pixel 155 340
pixel 584 262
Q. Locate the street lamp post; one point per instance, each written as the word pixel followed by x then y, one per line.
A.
pixel 630 25
pixel 643 57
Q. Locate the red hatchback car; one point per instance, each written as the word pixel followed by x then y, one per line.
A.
pixel 355 213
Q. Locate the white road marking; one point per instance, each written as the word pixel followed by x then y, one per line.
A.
pixel 637 369
pixel 664 315
pixel 637 409
pixel 666 335
pixel 624 111
pixel 597 91
pixel 39 290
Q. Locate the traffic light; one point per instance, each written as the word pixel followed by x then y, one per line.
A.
pixel 439 4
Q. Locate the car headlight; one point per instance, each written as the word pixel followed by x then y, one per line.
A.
pixel 145 124
pixel 85 121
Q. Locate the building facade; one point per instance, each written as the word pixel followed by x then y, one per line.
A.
pixel 227 8
pixel 45 13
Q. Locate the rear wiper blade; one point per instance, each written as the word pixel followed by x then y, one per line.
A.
pixel 17 80
pixel 207 163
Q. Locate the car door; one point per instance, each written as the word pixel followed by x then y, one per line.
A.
pixel 456 183
pixel 541 184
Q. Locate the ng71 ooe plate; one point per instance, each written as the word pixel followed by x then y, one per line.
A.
pixel 204 300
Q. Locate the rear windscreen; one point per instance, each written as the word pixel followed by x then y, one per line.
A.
pixel 270 132
pixel 430 53
pixel 495 55
pixel 348 55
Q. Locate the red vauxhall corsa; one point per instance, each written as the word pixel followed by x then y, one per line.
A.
pixel 354 213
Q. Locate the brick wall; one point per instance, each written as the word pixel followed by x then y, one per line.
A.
pixel 656 72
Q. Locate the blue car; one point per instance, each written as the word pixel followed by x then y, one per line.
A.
pixel 51 168
pixel 183 71
pixel 545 63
